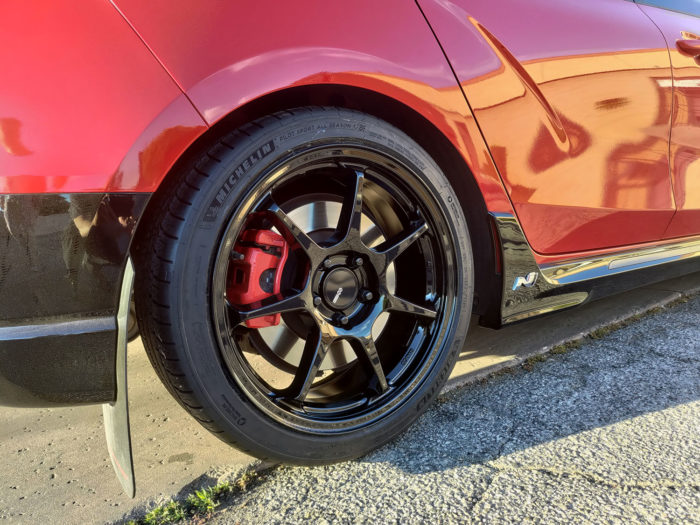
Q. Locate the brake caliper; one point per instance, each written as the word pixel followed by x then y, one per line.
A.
pixel 256 271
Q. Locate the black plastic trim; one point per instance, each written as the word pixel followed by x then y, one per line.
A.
pixel 62 258
pixel 537 296
pixel 58 368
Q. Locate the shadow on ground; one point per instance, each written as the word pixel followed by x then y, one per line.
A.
pixel 606 432
pixel 647 367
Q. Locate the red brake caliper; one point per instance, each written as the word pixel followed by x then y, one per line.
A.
pixel 257 272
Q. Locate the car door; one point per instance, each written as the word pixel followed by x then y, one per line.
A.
pixel 679 21
pixel 574 100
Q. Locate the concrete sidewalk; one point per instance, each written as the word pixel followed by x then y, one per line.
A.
pixel 55 460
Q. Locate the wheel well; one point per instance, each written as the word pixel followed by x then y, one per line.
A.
pixel 487 292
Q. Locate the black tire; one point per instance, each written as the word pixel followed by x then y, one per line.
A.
pixel 132 326
pixel 198 341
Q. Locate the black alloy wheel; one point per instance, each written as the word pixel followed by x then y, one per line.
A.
pixel 353 330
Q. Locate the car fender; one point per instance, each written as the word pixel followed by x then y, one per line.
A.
pixel 227 56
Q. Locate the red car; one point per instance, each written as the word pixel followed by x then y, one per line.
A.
pixel 315 197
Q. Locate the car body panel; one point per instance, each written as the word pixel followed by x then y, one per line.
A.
pixel 63 254
pixel 63 363
pixel 73 186
pixel 222 69
pixel 685 132
pixel 574 101
pixel 62 258
pixel 164 140
pixel 79 90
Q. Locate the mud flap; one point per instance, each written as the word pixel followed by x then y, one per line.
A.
pixel 116 414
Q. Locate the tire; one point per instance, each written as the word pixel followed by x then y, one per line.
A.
pixel 132 326
pixel 355 341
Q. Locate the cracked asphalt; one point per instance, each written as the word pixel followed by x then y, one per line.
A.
pixel 606 433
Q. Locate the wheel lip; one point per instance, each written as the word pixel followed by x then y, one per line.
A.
pixel 294 161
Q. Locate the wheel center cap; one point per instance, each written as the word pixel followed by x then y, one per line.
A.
pixel 340 288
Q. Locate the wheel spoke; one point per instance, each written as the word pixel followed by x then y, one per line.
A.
pixel 275 304
pixel 290 231
pixel 351 212
pixel 399 305
pixel 315 350
pixel 395 246
pixel 371 356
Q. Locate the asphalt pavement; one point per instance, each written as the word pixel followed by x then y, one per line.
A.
pixel 606 433
pixel 55 462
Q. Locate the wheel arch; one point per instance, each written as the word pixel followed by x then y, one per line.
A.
pixel 485 244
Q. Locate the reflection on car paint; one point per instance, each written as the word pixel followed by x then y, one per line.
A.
pixel 578 126
pixel 63 254
pixel 685 132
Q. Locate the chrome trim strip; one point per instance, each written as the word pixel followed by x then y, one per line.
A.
pixel 559 286
pixel 60 328
pixel 545 307
pixel 610 264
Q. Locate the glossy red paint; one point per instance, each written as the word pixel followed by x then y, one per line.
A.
pixel 224 55
pixel 78 90
pixel 685 135
pixel 576 109
pixel 574 102
pixel 157 148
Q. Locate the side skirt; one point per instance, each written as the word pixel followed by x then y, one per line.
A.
pixel 530 290
pixel 58 362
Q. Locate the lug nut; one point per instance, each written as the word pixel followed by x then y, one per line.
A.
pixel 367 295
pixel 358 261
pixel 327 264
pixel 317 300
pixel 343 319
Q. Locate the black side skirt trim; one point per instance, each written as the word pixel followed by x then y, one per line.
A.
pixel 56 364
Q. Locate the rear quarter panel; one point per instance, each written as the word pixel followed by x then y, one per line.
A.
pixel 79 90
pixel 226 54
